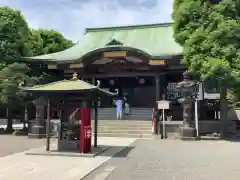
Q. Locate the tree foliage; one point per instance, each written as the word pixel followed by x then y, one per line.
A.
pixel 53 41
pixel 10 78
pixel 209 31
pixel 34 44
pixel 13 35
pixel 43 41
pixel 10 94
pixel 16 41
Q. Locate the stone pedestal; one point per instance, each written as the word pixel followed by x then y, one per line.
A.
pixel 38 130
pixel 68 145
pixel 188 133
pixel 188 130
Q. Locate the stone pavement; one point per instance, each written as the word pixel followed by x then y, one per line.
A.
pixel 20 166
pixel 173 160
pixel 12 144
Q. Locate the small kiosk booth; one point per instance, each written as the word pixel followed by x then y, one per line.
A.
pixel 71 94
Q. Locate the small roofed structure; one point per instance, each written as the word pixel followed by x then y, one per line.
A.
pixel 79 132
pixel 71 86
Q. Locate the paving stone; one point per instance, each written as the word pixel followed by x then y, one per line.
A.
pixel 20 166
pixel 176 160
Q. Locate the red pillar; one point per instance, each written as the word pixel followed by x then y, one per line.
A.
pixel 155 126
pixel 86 131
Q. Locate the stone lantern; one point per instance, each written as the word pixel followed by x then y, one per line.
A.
pixel 38 129
pixel 187 90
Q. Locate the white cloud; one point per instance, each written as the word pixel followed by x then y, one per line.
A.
pixel 71 17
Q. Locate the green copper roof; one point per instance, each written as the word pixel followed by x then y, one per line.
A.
pixel 153 39
pixel 68 86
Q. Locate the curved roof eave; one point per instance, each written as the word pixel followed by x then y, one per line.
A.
pixel 116 48
pixel 57 61
pixel 98 50
pixel 28 59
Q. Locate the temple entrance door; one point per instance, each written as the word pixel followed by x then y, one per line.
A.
pixel 144 96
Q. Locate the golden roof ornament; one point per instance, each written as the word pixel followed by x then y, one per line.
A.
pixel 75 76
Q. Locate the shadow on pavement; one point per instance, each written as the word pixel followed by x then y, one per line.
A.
pixel 101 150
pixel 124 153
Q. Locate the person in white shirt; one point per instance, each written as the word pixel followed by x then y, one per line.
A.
pixel 119 108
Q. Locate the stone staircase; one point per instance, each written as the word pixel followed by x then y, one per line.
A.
pixel 125 128
pixel 136 125
pixel 135 114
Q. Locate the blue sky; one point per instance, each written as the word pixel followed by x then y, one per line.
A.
pixel 71 17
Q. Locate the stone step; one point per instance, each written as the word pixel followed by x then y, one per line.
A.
pixel 129 128
pixel 131 114
pixel 129 135
pixel 107 116
pixel 136 113
pixel 124 123
pixel 125 128
pixel 113 110
pixel 126 118
pixel 127 131
pixel 133 108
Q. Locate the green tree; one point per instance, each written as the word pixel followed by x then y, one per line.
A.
pixel 34 44
pixel 13 35
pixel 10 94
pixel 53 41
pixel 209 32
pixel 43 41
pixel 17 40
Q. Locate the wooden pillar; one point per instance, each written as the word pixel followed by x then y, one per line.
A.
pixel 163 86
pixel 157 80
pixel 95 117
pixel 48 126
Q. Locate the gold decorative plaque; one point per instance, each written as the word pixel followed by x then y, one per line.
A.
pixel 157 62
pixel 115 54
pixel 75 65
pixel 52 66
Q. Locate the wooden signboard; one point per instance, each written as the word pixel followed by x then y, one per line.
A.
pixel 164 104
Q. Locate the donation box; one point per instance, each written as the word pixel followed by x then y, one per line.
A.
pixel 86 131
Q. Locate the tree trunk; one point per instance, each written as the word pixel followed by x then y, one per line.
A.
pixel 25 117
pixel 9 128
pixel 223 112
